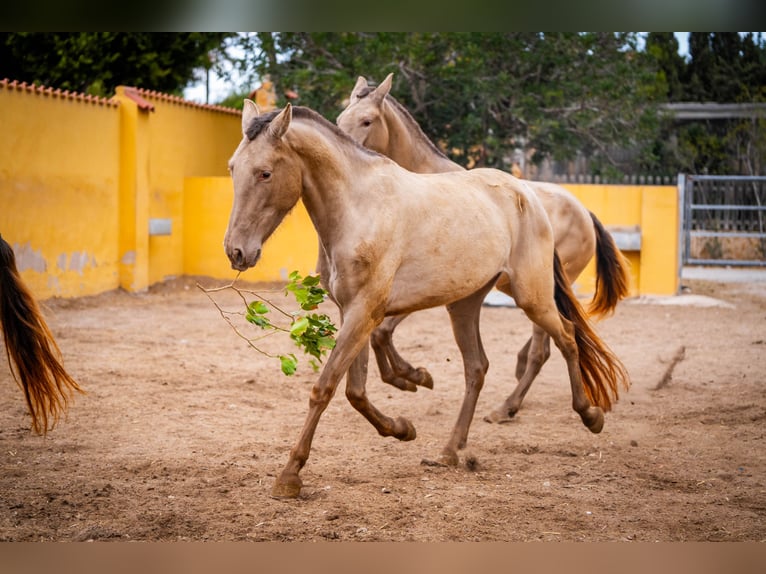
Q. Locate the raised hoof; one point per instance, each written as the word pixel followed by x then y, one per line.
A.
pixel 287 488
pixel 499 417
pixel 593 418
pixel 404 430
pixel 402 384
pixel 425 378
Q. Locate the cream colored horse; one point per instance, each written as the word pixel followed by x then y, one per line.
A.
pixel 376 120
pixel 396 242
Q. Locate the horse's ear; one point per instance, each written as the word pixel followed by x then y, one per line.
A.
pixel 361 83
pixel 279 124
pixel 249 112
pixel 382 90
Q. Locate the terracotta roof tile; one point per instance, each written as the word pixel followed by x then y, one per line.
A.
pixel 141 96
pixel 56 93
pixel 155 95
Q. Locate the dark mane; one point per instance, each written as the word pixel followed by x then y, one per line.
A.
pixel 414 126
pixel 406 115
pixel 302 113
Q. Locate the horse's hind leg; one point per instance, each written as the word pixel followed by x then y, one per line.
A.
pixel 356 394
pixel 531 359
pixel 394 370
pixel 464 315
pixel 562 331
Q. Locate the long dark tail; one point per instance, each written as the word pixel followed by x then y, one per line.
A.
pixel 612 278
pixel 602 372
pixel 31 348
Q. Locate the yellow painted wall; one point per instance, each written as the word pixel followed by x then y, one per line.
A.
pixel 654 209
pixel 182 140
pixel 207 203
pixel 59 171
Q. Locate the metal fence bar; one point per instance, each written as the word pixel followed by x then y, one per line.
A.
pixel 735 211
pixel 723 207
pixel 726 262
pixel 754 235
pixel 727 177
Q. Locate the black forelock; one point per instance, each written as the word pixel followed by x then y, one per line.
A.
pixel 260 122
pixel 364 92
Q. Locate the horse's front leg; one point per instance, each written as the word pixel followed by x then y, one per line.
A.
pixel 394 370
pixel 352 338
pixel 399 428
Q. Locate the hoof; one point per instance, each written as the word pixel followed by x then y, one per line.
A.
pixel 500 416
pixel 593 418
pixel 402 384
pixel 287 487
pixel 404 430
pixel 448 458
pixel 424 378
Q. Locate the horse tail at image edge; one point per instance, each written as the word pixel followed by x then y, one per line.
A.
pixel 31 348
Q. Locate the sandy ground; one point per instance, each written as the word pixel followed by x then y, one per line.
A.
pixel 184 428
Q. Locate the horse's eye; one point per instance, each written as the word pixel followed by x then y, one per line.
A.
pixel 367 123
pixel 265 175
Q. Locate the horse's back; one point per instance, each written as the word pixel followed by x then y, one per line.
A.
pixel 573 232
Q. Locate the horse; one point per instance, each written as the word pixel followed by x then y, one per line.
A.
pixel 378 121
pixel 396 242
pixel 31 348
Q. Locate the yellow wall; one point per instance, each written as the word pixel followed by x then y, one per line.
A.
pixel 177 140
pixel 59 166
pixel 654 210
pixel 207 202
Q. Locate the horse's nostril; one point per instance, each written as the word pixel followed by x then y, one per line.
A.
pixel 236 256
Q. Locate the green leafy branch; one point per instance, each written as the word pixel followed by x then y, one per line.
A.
pixel 312 332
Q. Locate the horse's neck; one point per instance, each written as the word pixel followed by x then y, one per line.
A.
pixel 410 148
pixel 330 179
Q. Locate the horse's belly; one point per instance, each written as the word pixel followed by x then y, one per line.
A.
pixel 423 287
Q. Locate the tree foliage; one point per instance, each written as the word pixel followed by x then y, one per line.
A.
pixel 723 67
pixel 97 62
pixel 483 95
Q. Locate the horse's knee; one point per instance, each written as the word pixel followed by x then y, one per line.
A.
pixel 321 395
pixel 357 397
pixel 474 376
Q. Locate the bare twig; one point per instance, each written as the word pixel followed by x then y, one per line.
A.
pixel 668 375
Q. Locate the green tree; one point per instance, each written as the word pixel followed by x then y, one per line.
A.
pixel 97 62
pixel 663 47
pixel 723 67
pixel 482 95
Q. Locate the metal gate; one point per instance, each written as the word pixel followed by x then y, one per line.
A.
pixel 723 219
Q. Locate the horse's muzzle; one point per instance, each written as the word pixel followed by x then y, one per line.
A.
pixel 239 261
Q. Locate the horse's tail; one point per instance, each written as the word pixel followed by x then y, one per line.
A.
pixel 612 280
pixel 30 346
pixel 601 371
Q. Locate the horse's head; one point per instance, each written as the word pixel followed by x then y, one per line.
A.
pixel 363 118
pixel 267 184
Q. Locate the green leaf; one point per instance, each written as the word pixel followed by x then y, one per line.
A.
pixel 299 326
pixel 258 307
pixel 288 364
pixel 255 314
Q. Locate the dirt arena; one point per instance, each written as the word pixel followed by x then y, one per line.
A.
pixel 184 429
